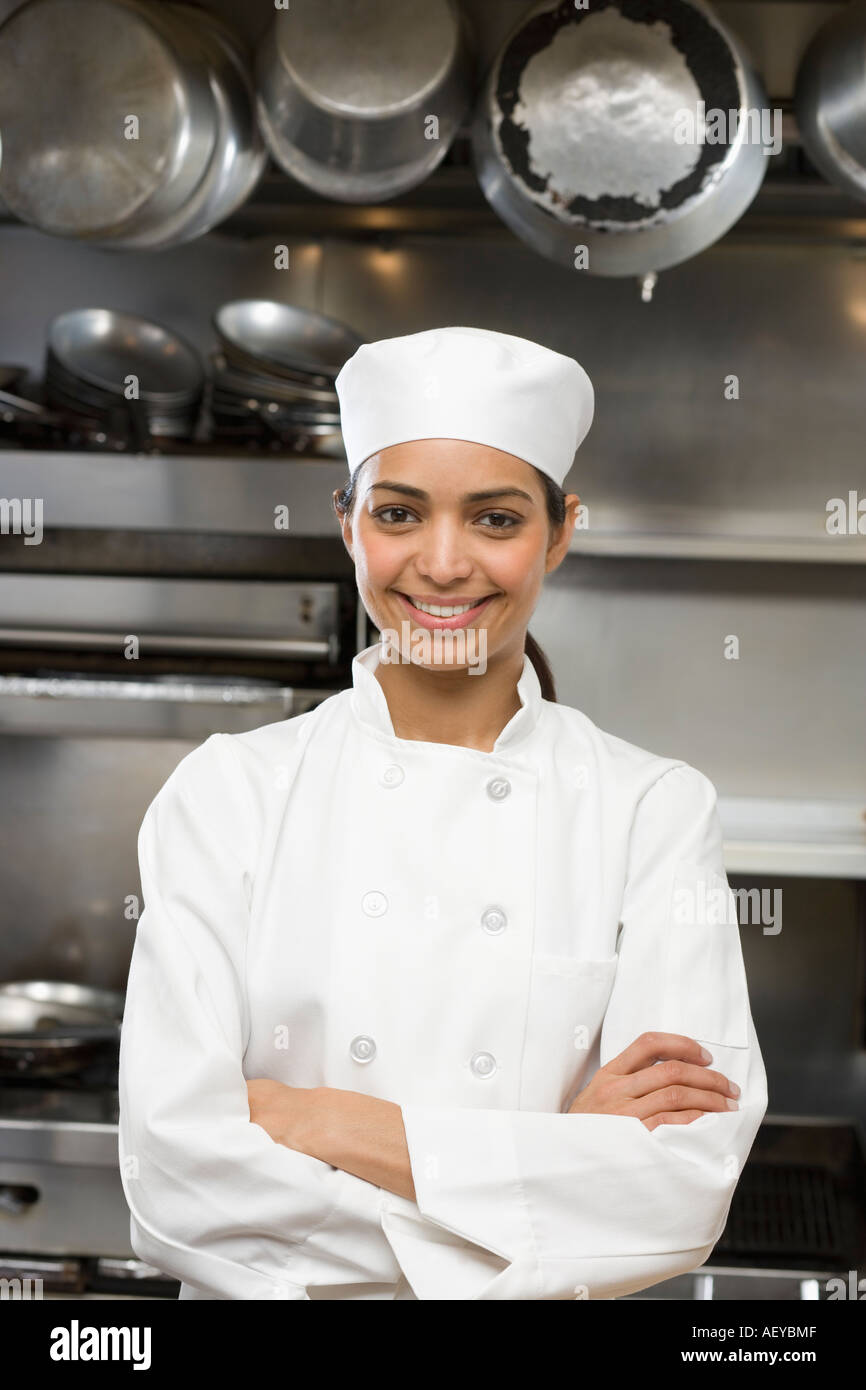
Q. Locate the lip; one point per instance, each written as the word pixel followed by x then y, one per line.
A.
pixel 459 620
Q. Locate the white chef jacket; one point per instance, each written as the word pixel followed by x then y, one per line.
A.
pixel 468 934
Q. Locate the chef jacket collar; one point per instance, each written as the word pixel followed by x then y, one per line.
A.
pixel 371 706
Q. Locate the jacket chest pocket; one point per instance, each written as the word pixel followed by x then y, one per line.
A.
pixel 568 999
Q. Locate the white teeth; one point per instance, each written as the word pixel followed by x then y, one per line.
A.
pixel 438 610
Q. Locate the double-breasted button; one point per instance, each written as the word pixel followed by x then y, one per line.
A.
pixel 482 1064
pixel 494 920
pixel 362 1048
pixel 392 775
pixel 374 904
pixel 498 788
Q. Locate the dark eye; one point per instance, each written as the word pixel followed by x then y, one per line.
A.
pixel 509 521
pixel 383 515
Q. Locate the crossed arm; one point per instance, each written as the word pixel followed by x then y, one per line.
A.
pixel 366 1136
pixel 360 1134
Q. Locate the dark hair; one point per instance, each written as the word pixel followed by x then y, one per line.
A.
pixel 555 499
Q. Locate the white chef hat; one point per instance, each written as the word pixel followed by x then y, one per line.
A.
pixel 466 383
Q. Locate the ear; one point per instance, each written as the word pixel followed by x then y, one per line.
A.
pixel 344 520
pixel 558 548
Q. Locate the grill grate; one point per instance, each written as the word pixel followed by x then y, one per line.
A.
pixel 787 1210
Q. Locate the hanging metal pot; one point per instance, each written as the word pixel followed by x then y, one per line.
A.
pixel 239 154
pixel 591 137
pixel 72 75
pixel 830 99
pixel 346 92
pixel 106 125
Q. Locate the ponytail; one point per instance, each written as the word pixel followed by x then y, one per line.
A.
pixel 542 668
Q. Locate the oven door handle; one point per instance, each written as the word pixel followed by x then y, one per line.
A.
pixel 183 643
pixel 163 690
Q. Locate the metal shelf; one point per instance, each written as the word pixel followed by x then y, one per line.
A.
pixel 712 533
pixel 812 839
pixel 220 493
pixel 236 495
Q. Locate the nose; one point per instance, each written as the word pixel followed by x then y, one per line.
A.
pixel 443 553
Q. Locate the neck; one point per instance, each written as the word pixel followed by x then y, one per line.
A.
pixel 445 706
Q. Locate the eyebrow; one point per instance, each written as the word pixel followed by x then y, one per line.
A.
pixel 486 496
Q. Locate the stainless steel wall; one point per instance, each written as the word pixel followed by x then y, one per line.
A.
pixel 69 818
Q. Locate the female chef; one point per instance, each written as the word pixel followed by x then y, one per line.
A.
pixel 438 991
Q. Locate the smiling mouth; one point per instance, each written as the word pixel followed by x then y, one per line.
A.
pixel 444 615
pixel 446 610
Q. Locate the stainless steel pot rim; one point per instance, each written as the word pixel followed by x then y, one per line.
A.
pixel 275 418
pixel 231 402
pixel 105 407
pixel 321 383
pixel 176 429
pixel 142 342
pixel 68 389
pixel 294 404
pixel 121 410
pixel 348 185
pixel 242 381
pixel 121 414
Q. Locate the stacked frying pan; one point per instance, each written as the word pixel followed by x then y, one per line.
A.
pixel 123 370
pixel 273 376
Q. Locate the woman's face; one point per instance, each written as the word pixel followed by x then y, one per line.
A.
pixel 419 531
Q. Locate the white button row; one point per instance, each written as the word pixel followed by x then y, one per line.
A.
pixel 393 775
pixel 493 919
pixel 363 1049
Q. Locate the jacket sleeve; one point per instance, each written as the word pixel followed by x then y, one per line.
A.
pixel 598 1206
pixel 214 1201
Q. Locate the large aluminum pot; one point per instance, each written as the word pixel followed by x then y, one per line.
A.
pixel 588 133
pixel 360 101
pixel 72 171
pixel 73 74
pixel 830 99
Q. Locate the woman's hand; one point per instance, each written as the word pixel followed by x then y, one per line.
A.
pixel 286 1113
pixel 361 1134
pixel 675 1092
